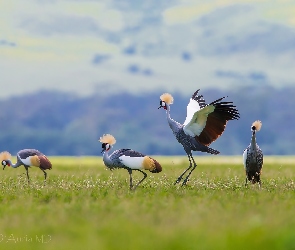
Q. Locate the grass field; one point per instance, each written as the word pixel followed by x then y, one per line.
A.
pixel 85 206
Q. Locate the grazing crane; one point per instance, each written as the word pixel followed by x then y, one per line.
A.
pixel 27 158
pixel 204 123
pixel 253 157
pixel 128 159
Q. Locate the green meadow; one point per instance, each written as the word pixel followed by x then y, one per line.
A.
pixel 85 206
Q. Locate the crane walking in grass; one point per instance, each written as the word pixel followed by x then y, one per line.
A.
pixel 27 158
pixel 253 157
pixel 128 159
pixel 204 123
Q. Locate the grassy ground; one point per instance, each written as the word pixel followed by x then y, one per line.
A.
pixel 85 206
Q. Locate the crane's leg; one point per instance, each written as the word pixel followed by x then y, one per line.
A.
pixel 259 181
pixel 130 178
pixel 187 177
pixel 246 180
pixel 181 176
pixel 144 176
pixel 45 174
pixel 27 169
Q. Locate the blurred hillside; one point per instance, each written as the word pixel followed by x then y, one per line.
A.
pixel 59 123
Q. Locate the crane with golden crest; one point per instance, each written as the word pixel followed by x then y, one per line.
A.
pixel 127 159
pixel 253 157
pixel 27 158
pixel 204 123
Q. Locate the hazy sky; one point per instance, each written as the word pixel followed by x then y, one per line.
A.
pixel 91 46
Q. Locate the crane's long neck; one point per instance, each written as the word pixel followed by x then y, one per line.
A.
pixel 16 165
pixel 106 158
pixel 253 141
pixel 171 122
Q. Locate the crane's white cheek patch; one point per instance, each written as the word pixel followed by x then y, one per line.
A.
pixel 132 162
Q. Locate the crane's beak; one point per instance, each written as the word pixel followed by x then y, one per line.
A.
pixel 4 167
pixel 103 150
pixel 162 107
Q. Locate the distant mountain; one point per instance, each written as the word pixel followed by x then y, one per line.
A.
pixel 63 124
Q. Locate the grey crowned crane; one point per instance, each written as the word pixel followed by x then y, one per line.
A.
pixel 27 158
pixel 204 123
pixel 127 159
pixel 253 157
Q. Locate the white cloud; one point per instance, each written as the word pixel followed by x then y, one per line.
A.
pixel 55 42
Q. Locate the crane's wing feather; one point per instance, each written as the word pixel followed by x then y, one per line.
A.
pixel 25 153
pixel 245 157
pixel 127 152
pixel 44 162
pixel 217 120
pixel 198 121
pixel 195 104
pixel 131 159
pixel 207 122
pixel 124 152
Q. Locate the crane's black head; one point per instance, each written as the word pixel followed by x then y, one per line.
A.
pixel 105 147
pixel 253 129
pixel 256 126
pixel 5 163
pixel 163 105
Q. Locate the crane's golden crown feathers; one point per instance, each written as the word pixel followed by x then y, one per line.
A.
pixel 5 156
pixel 256 125
pixel 107 138
pixel 166 97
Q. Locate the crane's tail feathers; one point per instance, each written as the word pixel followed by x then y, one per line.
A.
pixel 256 126
pixel 4 156
pixel 213 151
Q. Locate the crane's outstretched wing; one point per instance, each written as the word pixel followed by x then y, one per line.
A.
pixel 196 103
pixel 217 120
pixel 207 122
pixel 196 116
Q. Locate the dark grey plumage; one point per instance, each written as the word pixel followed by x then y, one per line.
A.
pixel 253 157
pixel 115 161
pixel 203 125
